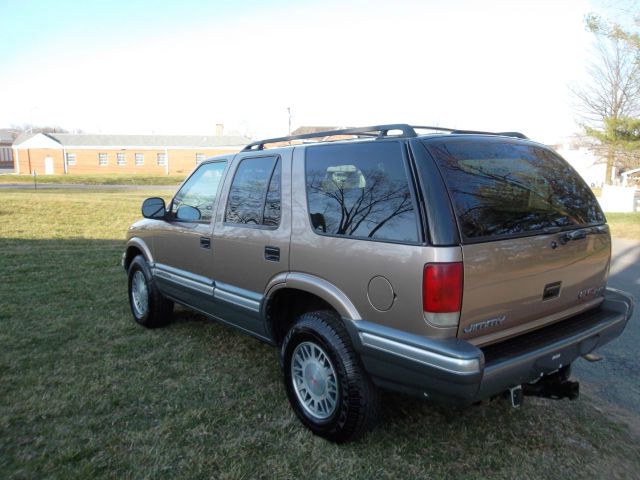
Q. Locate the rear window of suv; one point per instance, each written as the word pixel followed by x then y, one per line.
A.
pixel 503 189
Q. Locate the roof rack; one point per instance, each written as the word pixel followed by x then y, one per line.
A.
pixel 377 131
pixel 470 132
pixel 383 131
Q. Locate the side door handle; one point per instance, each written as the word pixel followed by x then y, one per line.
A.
pixel 272 254
pixel 205 242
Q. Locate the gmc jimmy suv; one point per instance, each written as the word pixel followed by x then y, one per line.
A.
pixel 453 265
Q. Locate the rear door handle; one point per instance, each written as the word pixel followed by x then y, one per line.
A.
pixel 272 254
pixel 205 242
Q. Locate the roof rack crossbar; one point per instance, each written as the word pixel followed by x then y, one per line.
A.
pixel 383 131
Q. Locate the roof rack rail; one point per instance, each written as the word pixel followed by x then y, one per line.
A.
pixel 514 134
pixel 383 131
pixel 470 132
pixel 437 129
pixel 377 131
pixel 478 132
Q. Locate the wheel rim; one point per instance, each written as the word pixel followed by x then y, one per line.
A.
pixel 314 380
pixel 139 293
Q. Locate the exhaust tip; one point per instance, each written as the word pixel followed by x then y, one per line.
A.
pixel 592 357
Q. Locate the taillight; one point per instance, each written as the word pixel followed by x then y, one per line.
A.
pixel 442 293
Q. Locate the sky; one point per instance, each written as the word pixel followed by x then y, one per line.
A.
pixel 182 67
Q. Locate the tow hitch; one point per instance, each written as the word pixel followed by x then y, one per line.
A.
pixel 556 386
pixel 554 390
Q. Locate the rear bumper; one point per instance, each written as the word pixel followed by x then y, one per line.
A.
pixel 457 372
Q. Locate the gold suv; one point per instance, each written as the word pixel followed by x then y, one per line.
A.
pixel 453 265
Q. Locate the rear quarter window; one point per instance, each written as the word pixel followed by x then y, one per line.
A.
pixel 501 189
pixel 361 191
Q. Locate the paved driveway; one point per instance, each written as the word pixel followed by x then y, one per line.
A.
pixel 616 379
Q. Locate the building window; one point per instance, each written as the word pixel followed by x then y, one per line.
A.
pixel 162 159
pixel 139 159
pixel 121 159
pixel 103 159
pixel 199 158
pixel 71 158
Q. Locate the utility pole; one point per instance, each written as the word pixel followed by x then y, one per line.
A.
pixel 289 112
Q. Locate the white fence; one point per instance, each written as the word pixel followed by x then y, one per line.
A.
pixel 619 199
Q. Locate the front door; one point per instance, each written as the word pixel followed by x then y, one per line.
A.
pixel 182 243
pixel 252 233
pixel 48 165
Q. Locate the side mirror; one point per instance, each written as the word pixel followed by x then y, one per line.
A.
pixel 154 207
pixel 188 213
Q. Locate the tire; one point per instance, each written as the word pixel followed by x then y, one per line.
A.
pixel 149 308
pixel 326 384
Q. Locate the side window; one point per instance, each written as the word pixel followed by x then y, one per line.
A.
pixel 254 197
pixel 360 191
pixel 200 191
pixel 272 203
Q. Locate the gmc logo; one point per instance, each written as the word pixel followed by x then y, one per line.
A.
pixel 590 292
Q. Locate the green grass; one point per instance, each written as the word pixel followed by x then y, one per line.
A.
pixel 97 179
pixel 626 225
pixel 86 393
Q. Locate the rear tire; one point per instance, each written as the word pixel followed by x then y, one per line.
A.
pixel 149 308
pixel 326 384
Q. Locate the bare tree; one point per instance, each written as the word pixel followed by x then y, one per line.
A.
pixel 613 92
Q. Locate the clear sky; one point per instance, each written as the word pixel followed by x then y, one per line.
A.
pixel 183 66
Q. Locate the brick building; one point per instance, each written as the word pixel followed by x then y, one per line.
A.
pixel 62 153
pixel 7 137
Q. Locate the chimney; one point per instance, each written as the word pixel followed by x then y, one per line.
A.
pixel 219 129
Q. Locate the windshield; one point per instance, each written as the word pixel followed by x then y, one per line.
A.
pixel 500 188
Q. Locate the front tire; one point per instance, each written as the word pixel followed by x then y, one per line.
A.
pixel 327 387
pixel 149 308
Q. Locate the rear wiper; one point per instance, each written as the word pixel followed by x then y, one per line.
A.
pixel 582 233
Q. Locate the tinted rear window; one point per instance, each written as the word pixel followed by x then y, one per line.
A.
pixel 504 189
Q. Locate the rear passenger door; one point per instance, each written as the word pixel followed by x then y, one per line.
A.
pixel 252 233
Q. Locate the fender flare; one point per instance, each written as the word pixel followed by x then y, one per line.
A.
pixel 140 244
pixel 316 286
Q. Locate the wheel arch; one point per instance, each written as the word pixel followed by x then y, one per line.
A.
pixel 136 246
pixel 290 295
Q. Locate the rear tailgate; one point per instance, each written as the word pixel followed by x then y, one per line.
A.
pixel 525 283
pixel 535 246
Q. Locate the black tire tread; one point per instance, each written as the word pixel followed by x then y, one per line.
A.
pixel 160 309
pixel 361 405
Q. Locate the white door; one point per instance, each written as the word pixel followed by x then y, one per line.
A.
pixel 48 165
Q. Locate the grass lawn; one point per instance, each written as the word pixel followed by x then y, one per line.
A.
pixel 86 393
pixel 97 179
pixel 626 225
